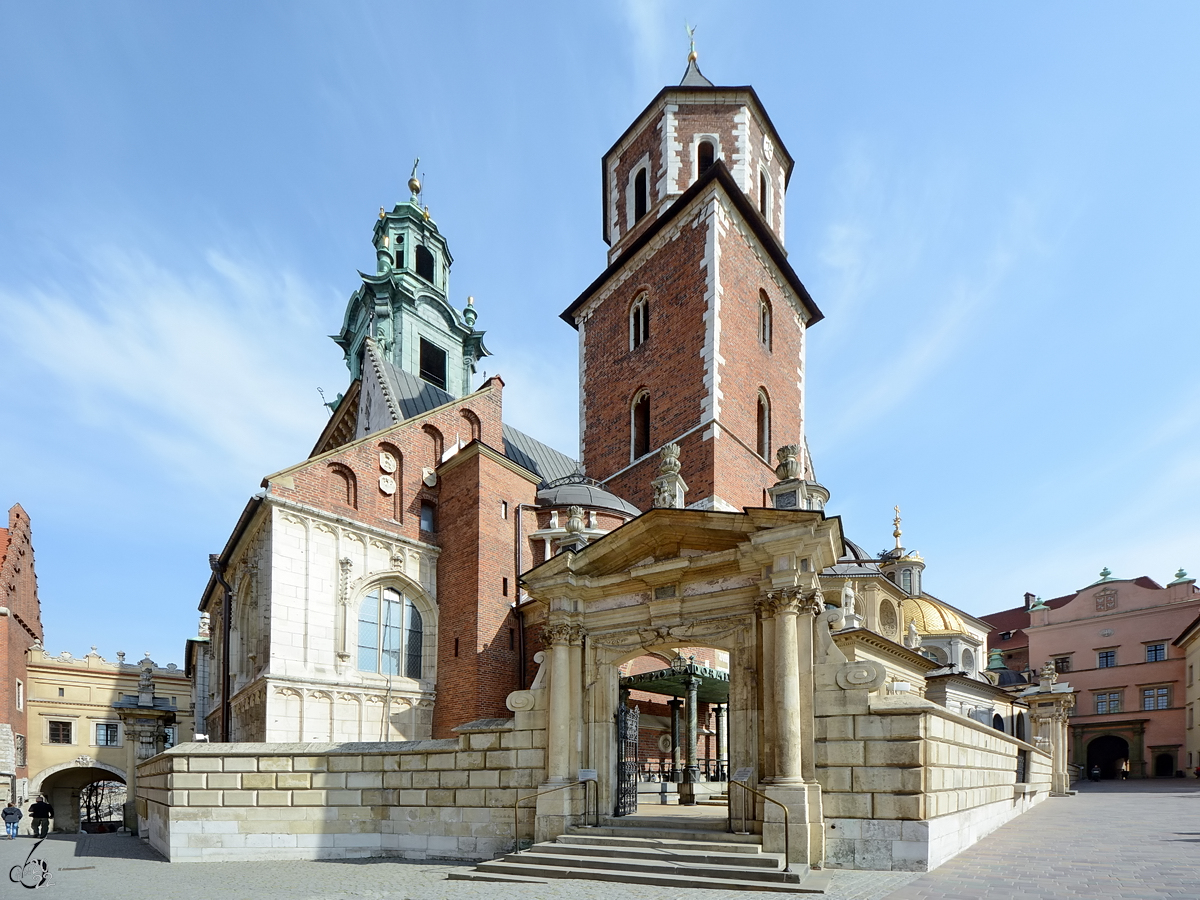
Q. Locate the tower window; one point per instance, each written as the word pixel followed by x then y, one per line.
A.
pixel 399 251
pixel 704 157
pixel 428 516
pixel 764 196
pixel 641 196
pixel 639 322
pixel 424 263
pixel 764 425
pixel 640 425
pixel 764 319
pixel 433 364
pixel 906 580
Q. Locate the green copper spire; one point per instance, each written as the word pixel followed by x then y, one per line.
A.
pixel 405 305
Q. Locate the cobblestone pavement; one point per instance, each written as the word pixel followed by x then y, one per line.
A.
pixel 1132 840
pixel 1124 841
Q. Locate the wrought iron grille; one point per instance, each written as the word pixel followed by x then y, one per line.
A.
pixel 627 759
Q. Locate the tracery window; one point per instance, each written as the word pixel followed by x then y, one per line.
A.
pixel 390 634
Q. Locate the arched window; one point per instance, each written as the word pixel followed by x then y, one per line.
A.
pixel 906 580
pixel 764 196
pixel 641 196
pixel 424 263
pixel 390 634
pixel 764 319
pixel 764 425
pixel 998 722
pixel 639 322
pixel 345 487
pixel 640 425
pixel 1020 727
pixel 704 157
pixel 968 661
pixel 436 443
pixel 474 428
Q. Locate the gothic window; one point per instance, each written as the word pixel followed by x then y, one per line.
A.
pixel 640 425
pixel 424 263
pixel 764 319
pixel 641 195
pixel 906 580
pixel 345 487
pixel 20 695
pixel 433 364
pixel 639 322
pixel 704 157
pixel 764 425
pixel 389 634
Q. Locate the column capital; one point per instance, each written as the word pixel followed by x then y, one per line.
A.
pixel 576 635
pixel 558 633
pixel 791 600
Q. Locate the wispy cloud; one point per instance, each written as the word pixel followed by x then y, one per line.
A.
pixel 214 371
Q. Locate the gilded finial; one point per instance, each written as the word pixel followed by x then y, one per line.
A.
pixel 896 534
pixel 382 214
pixel 691 33
pixel 426 214
pixel 413 184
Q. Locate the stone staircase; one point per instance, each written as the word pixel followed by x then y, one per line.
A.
pixel 667 851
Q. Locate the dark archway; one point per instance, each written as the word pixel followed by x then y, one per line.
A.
pixel 1107 752
pixel 1020 727
pixel 998 722
pixel 1164 765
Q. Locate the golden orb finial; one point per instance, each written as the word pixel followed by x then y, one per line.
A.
pixel 382 214
pixel 691 33
pixel 414 185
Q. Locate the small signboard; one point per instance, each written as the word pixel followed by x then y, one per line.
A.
pixel 744 774
pixel 587 775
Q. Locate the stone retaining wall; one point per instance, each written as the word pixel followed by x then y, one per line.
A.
pixel 449 799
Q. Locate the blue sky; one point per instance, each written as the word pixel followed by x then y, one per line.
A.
pixel 997 206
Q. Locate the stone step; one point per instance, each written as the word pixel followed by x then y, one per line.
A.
pixel 636 868
pixel 800 881
pixel 673 823
pixel 744 844
pixel 676 833
pixel 677 852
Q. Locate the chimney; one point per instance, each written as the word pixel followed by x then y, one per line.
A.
pixel 1029 598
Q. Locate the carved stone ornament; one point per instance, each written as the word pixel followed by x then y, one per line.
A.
pixel 387 462
pixel 789 462
pixel 1048 674
pixel 574 520
pixel 864 674
pixel 387 484
pixel 669 455
pixel 768 148
pixel 558 634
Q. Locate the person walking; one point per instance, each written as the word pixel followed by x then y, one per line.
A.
pixel 12 815
pixel 41 813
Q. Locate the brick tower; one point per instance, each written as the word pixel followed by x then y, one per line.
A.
pixel 694 334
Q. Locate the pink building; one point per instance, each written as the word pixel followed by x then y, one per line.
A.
pixel 1115 637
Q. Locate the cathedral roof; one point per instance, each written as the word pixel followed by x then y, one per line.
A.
pixel 535 456
pixel 412 396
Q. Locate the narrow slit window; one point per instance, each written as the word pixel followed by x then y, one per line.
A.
pixel 639 322
pixel 641 425
pixel 762 194
pixel 764 426
pixel 704 155
pixel 641 195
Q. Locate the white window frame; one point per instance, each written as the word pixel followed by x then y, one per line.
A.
pixel 105 723
pixel 767 208
pixel 20 694
pixel 630 205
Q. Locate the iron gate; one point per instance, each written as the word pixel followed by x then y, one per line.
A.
pixel 627 760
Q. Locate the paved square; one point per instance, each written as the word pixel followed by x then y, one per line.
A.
pixel 1125 841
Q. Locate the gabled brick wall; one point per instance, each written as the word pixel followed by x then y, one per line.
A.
pixel 22 626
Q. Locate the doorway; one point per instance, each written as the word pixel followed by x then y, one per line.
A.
pixel 1110 753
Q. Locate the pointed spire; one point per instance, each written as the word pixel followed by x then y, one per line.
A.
pixel 693 77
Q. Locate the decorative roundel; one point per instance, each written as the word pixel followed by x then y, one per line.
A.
pixel 1107 632
pixel 862 675
pixel 664 743
pixel 387 462
pixel 387 484
pixel 768 148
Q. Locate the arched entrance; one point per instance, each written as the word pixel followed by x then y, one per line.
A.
pixel 1108 752
pixel 64 785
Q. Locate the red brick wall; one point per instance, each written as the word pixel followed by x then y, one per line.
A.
pixel 478 554
pixel 23 624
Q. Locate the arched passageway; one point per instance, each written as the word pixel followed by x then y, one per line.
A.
pixel 64 787
pixel 1108 752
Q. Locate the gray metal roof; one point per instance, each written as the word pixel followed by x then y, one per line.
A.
pixel 693 77
pixel 414 396
pixel 586 495
pixel 537 457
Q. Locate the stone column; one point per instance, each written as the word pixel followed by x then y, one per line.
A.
pixel 559 731
pixel 676 757
pixel 575 664
pixel 722 753
pixel 787 689
pixel 769 702
pixel 691 774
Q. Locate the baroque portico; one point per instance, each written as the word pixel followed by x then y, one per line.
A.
pixel 742 582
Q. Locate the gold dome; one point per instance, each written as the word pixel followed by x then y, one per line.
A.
pixel 931 617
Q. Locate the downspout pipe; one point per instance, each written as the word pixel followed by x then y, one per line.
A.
pixel 521 665
pixel 214 562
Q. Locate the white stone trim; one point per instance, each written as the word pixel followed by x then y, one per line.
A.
pixel 741 149
pixel 614 195
pixel 718 153
pixel 711 352
pixel 668 183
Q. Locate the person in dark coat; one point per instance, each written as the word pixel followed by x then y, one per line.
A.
pixel 40 814
pixel 12 815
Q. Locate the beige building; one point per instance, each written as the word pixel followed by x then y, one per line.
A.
pixel 1189 643
pixel 91 720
